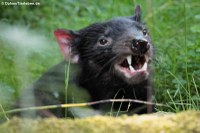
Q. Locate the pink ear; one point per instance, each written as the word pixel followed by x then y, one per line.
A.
pixel 63 38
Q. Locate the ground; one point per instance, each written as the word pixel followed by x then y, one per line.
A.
pixel 184 122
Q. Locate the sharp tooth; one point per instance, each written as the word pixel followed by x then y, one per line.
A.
pixel 131 68
pixel 146 58
pixel 129 58
pixel 140 66
pixel 144 66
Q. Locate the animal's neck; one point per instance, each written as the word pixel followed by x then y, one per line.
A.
pixel 106 85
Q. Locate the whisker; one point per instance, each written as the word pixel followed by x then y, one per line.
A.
pixel 105 65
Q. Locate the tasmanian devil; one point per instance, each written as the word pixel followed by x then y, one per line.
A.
pixel 112 61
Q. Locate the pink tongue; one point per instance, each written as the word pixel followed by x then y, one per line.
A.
pixel 136 67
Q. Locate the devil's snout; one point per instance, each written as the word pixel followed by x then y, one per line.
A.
pixel 140 46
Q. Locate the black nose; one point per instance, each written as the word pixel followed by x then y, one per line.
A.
pixel 141 46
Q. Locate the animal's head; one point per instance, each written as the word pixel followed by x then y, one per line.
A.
pixel 121 47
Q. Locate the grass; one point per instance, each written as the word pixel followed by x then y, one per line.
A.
pixel 173 25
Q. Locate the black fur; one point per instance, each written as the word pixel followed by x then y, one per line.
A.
pixel 97 63
pixel 99 49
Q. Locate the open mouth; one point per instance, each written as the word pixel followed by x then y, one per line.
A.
pixel 131 65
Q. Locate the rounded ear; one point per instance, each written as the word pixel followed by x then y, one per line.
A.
pixel 137 16
pixel 65 39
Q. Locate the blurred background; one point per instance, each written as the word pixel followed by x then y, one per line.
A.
pixel 28 47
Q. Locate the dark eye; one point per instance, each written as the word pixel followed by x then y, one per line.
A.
pixel 103 41
pixel 144 32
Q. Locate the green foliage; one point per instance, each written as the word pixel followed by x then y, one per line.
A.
pixel 173 25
